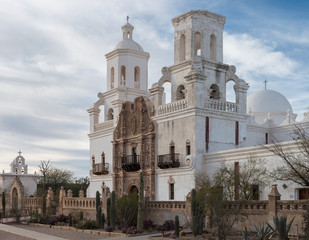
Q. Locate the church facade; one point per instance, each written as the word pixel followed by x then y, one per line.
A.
pixel 198 130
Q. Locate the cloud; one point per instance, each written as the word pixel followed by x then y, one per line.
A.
pixel 254 56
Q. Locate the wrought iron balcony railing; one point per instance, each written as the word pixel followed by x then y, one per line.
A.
pixel 168 161
pixel 131 163
pixel 100 168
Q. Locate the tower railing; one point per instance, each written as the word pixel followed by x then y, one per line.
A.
pixel 221 105
pixel 173 106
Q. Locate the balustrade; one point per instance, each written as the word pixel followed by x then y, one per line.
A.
pixel 173 107
pixel 221 106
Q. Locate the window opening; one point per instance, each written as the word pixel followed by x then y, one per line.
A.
pixel 134 155
pixel 180 92
pixel 182 50
pixel 197 43
pixel 230 91
pixel 112 77
pixel 172 191
pixel 215 93
pixel 236 133
pixel 167 96
pixel 110 114
pixel 213 45
pixel 188 148
pixel 101 116
pixel 266 138
pixel 123 75
pixel 172 153
pixel 136 77
pixel 207 133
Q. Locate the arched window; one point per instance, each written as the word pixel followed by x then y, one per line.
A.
pixel 110 114
pixel 197 43
pixel 167 98
pixel 214 94
pixel 188 148
pixel 213 47
pixel 112 77
pixel 172 191
pixel 230 91
pixel 182 48
pixel 171 182
pixel 123 75
pixel 136 77
pixel 180 92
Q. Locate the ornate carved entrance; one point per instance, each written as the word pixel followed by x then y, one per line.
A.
pixel 134 147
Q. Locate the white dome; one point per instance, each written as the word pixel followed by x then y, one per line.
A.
pixel 129 44
pixel 265 101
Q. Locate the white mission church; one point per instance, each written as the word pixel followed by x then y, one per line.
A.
pixel 199 129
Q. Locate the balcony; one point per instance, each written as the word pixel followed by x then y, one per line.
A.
pixel 100 168
pixel 131 163
pixel 168 161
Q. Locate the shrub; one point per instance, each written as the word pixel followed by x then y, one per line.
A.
pixel 109 229
pixel 147 224
pixel 62 218
pixel 38 218
pixel 131 230
pixel 168 225
pixel 127 210
pixel 52 221
pixel 87 224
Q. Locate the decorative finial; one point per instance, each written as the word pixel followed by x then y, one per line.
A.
pixel 265 83
pixel 19 152
pixel 127 19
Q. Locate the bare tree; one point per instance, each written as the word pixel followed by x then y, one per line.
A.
pixel 295 163
pixel 221 213
pixel 243 182
pixel 44 167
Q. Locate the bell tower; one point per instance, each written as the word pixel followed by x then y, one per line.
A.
pixel 127 64
pixel 198 33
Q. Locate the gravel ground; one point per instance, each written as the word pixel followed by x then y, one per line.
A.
pixel 68 234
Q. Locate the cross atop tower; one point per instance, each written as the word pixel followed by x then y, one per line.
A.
pixel 19 152
pixel 128 19
pixel 265 84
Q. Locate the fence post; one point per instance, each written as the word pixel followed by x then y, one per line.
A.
pixel 273 196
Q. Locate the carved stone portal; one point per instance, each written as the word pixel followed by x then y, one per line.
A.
pixel 134 147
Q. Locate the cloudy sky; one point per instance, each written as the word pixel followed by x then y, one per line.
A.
pixel 52 63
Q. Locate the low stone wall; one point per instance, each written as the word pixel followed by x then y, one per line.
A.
pixel 30 205
pixel 160 211
pixel 79 204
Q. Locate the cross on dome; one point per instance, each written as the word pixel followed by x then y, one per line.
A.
pixel 128 19
pixel 265 84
